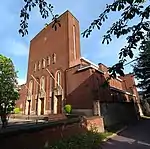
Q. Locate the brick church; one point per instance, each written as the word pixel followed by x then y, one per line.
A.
pixel 58 75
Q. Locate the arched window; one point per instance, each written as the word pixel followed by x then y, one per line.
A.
pixel 31 88
pixel 58 78
pixel 48 60
pixel 39 65
pixel 35 67
pixel 51 83
pixel 43 63
pixel 54 58
pixel 42 84
pixel 37 86
pixel 74 42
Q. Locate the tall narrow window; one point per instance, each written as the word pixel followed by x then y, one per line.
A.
pixel 43 63
pixel 48 60
pixel 42 84
pixel 54 58
pixel 51 86
pixel 30 87
pixel 58 78
pixel 74 42
pixel 58 82
pixel 35 67
pixel 37 86
pixel 51 83
pixel 39 65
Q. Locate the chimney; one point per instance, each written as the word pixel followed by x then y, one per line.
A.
pixel 102 67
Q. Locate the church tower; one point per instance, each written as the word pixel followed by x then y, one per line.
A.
pixel 74 40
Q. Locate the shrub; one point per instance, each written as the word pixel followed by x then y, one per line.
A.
pixel 16 110
pixel 68 109
pixel 89 140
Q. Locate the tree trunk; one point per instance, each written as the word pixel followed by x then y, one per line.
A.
pixel 4 120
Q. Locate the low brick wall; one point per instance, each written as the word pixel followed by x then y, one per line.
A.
pixel 95 123
pixel 42 135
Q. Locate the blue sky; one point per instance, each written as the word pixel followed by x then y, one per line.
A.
pixel 17 48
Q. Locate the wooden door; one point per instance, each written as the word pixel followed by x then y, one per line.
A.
pixel 42 106
pixel 59 104
pixel 36 106
pixel 29 106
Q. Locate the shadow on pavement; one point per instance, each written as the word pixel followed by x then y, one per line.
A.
pixel 136 136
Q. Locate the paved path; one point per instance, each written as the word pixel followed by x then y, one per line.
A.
pixel 134 137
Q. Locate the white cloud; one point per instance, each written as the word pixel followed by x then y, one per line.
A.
pixel 21 81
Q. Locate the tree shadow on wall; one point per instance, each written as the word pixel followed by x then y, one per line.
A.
pixel 92 88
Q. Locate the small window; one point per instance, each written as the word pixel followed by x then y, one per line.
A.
pixel 39 65
pixel 54 58
pixel 35 67
pixel 48 60
pixel 43 63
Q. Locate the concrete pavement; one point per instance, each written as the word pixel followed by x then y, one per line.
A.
pixel 134 137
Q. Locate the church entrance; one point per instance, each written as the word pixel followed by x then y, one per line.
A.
pixel 59 104
pixel 42 106
pixel 36 106
pixel 29 106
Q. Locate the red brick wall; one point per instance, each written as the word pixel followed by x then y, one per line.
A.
pixel 104 69
pixel 95 123
pixel 103 92
pixel 116 83
pixel 40 138
pixel 126 83
pixel 113 82
pixel 84 87
pixel 79 88
pixel 129 85
pixel 60 42
pixel 20 103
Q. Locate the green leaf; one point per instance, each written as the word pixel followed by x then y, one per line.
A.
pixel 98 27
pixel 107 41
pixel 119 7
pixel 103 41
pixel 130 53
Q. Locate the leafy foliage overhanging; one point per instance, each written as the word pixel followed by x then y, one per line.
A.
pixel 142 69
